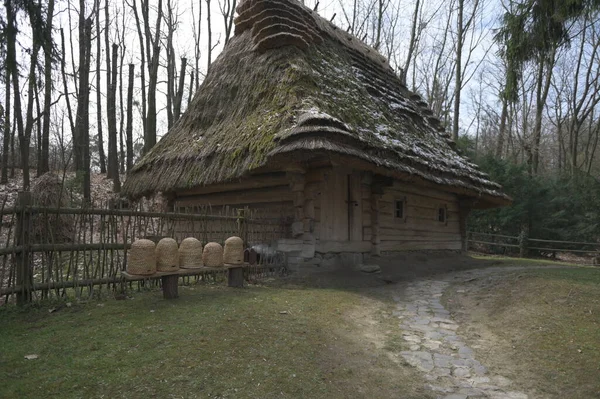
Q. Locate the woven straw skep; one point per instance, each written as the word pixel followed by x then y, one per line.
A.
pixel 190 253
pixel 167 255
pixel 142 258
pixel 212 256
pixel 234 251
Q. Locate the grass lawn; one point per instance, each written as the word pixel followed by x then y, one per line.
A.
pixel 212 342
pixel 540 327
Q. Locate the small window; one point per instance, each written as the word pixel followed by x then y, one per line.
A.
pixel 442 214
pixel 399 211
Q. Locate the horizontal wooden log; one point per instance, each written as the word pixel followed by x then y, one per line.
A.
pixel 492 235
pixel 276 194
pixel 400 187
pixel 419 245
pixel 115 212
pixel 420 209
pixel 61 284
pixel 432 226
pixel 250 182
pixel 343 246
pixel 499 244
pixel 63 248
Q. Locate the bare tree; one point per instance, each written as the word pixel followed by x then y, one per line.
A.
pixel 196 30
pixel 7 128
pixel 154 42
pixel 129 128
pixel 179 94
pixel 43 163
pixel 101 153
pixel 82 131
pixel 113 160
pixel 138 25
pixel 227 8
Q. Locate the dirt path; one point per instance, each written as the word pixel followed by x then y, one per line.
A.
pixel 435 347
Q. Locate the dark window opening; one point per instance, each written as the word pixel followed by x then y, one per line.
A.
pixel 399 211
pixel 442 214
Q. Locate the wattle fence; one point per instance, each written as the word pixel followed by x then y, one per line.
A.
pixel 50 252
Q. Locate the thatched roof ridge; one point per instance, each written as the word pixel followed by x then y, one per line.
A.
pixel 290 81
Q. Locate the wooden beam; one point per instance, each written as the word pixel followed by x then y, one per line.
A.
pixel 249 182
pixel 342 246
pixel 240 197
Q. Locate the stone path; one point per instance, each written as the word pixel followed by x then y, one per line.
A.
pixel 436 349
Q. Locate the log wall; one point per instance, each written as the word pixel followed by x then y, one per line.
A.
pixel 268 197
pixel 420 228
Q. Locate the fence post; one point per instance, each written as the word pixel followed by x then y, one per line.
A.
pixel 524 241
pixel 24 276
pixel 464 208
pixel 242 215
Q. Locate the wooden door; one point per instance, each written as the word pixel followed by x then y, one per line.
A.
pixel 334 207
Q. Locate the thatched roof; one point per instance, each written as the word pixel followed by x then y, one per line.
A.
pixel 288 82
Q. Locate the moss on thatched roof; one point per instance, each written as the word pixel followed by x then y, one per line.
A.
pixel 290 81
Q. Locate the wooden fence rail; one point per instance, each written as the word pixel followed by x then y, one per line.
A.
pixel 49 252
pixel 477 240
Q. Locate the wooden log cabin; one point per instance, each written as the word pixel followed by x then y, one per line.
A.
pixel 306 123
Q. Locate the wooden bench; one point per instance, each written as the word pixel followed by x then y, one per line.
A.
pixel 170 280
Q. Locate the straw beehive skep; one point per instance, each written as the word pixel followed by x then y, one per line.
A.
pixel 167 258
pixel 212 256
pixel 234 251
pixel 142 259
pixel 190 253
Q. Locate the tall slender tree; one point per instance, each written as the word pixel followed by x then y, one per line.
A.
pixel 82 119
pixel 113 160
pixel 44 161
pixel 101 154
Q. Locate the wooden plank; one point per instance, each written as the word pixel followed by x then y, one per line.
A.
pixel 417 235
pixel 423 191
pixel 429 213
pixel 499 244
pixel 179 272
pixel 434 226
pixel 261 195
pixel 246 183
pixel 420 245
pixel 334 208
pixel 427 238
pixel 343 246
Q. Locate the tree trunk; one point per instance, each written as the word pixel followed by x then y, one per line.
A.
pixel 113 160
pixel 44 162
pixel 208 21
pixel 458 79
pixel 109 110
pixel 411 44
pixel 179 95
pixel 82 131
pixel 541 96
pixel 24 132
pixel 129 127
pixel 142 63
pixel 7 130
pixel 101 153
pixel 121 112
pixel 502 130
pixel 150 139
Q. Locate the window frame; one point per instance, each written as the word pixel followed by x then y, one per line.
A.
pixel 403 202
pixel 442 208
